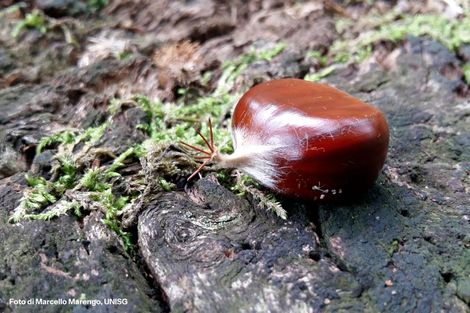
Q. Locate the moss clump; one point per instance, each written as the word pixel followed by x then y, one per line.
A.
pixel 66 137
pixel 317 76
pixel 318 56
pixel 113 205
pixel 40 195
pixel 245 184
pixel 232 69
pixel 34 20
pixel 63 137
pixel 393 247
pixel 94 180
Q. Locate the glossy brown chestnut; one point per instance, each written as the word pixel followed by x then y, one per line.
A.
pixel 323 142
pixel 305 140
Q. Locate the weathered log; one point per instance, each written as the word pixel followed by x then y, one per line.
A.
pixel 212 252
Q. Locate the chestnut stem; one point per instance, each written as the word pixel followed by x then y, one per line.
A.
pixel 234 160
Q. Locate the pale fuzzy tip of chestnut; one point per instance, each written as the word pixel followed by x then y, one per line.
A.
pixel 254 157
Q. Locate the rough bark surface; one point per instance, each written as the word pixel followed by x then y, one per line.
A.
pixel 66 259
pixel 211 252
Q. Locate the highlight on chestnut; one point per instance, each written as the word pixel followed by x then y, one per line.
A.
pixel 302 139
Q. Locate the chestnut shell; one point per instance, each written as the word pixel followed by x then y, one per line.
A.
pixel 343 141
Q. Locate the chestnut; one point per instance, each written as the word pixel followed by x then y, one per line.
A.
pixel 304 140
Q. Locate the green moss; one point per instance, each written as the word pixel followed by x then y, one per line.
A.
pixel 318 56
pixel 35 20
pixel 266 200
pixel 114 205
pixel 94 180
pixel 256 55
pixel 34 199
pixel 58 210
pixel 209 106
pixel 206 78
pixel 39 197
pixel 269 54
pixel 36 202
pixel 65 137
pixel 33 181
pixel 92 134
pixel 232 69
pixel 393 247
pixel 167 186
pixel 66 176
pixel 174 122
pixel 314 77
pixel 114 105
pixel 136 151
